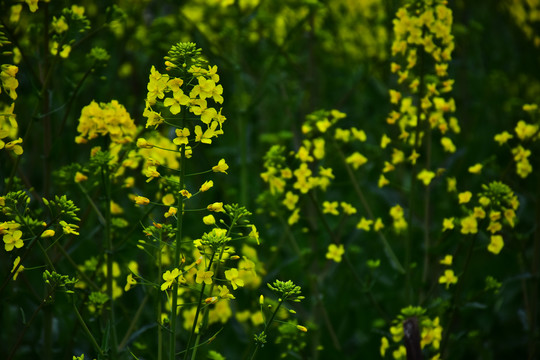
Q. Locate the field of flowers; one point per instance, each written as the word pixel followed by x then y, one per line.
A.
pixel 256 179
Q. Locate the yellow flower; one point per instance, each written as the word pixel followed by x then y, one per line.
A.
pixel 168 199
pixel 216 207
pixel 290 200
pixel 503 137
pixel 397 156
pixel 209 220
pixel 141 200
pixel 171 212
pixel 383 181
pixel 130 281
pixel 364 224
pixel 181 136
pixel 204 276
pixel 388 167
pixel 451 184
pixel 79 177
pixel 356 160
pixel 295 216
pixel 413 157
pixel 385 140
pixel 448 145
pixel 479 213
pixel 396 212
pixel 378 224
pixel 426 176
pixel 330 207
pixel 14 146
pixel 185 193
pixel 464 197
pixel 395 96
pixel 254 234
pixel 151 173
pixel 232 276
pixel 475 169
pixel 224 292
pixel 496 244
pixel 494 226
pixel 335 252
pixel 510 216
pixel 169 277
pixel 221 166
pixel 206 186
pixel 48 233
pixel 448 224
pixel 384 346
pixel 397 333
pixel 447 260
pixel 448 278
pixel 348 209
pixel 469 225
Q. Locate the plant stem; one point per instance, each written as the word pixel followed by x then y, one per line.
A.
pixel 159 300
pixel 106 178
pixel 280 301
pixel 86 330
pixel 177 242
pixel 195 320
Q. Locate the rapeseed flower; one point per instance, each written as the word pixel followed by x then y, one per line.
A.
pixel 448 278
pixel 335 252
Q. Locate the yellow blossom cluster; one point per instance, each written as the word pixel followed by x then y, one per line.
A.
pixel 429 330
pixel 526 133
pixel 192 95
pixel 422 48
pixel 9 139
pixel 496 205
pixel 8 80
pixel 448 278
pixel 308 173
pixel 105 119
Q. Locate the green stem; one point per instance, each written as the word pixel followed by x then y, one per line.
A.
pixel 159 300
pixel 195 320
pixel 206 309
pixel 178 241
pixel 105 173
pixel 280 301
pixel 86 330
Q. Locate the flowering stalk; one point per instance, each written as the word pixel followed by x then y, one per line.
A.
pixel 178 239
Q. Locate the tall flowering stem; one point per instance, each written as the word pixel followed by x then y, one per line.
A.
pixel 422 48
pixel 182 96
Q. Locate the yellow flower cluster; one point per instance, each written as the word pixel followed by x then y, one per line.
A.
pixel 105 119
pixel 448 278
pixel 496 205
pixel 8 123
pixel 312 150
pixel 430 332
pixel 526 133
pixel 175 93
pixel 9 81
pixel 422 48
